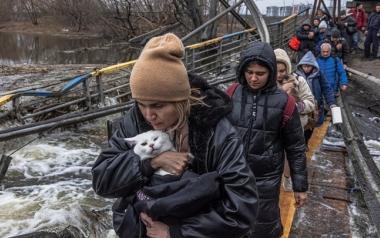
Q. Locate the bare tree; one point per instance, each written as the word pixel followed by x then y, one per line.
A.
pixel 210 31
pixel 190 10
pixel 128 18
pixel 77 12
pixel 7 8
pixel 32 10
pixel 116 18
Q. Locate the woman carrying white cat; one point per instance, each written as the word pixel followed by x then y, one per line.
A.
pixel 193 113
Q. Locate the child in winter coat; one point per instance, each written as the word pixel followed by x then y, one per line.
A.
pixel 308 68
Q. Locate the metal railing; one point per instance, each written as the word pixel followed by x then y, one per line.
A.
pixel 213 59
pixel 280 32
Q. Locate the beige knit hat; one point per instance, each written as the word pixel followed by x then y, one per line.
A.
pixel 282 57
pixel 159 73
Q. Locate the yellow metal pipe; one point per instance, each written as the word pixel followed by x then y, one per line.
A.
pixel 113 68
pixel 288 18
pixel 5 99
pixel 215 40
pixel 204 43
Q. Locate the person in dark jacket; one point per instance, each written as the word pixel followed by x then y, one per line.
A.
pixel 193 114
pixel 339 46
pixel 307 36
pixel 258 107
pixel 316 22
pixel 372 34
pixel 309 69
pixel 347 27
pixel 325 16
pixel 323 36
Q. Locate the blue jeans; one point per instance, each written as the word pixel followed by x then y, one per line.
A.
pixel 355 40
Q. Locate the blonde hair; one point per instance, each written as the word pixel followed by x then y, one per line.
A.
pixel 183 107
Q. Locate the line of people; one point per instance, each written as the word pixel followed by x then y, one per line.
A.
pixel 344 36
pixel 241 138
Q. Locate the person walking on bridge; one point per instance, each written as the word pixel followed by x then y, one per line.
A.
pixel 194 114
pixel 296 86
pixel 258 110
pixel 372 35
pixel 333 69
pixel 361 23
pixel 306 35
pixel 309 69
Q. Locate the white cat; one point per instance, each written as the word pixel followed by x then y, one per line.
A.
pixel 150 144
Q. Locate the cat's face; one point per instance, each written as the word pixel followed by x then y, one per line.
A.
pixel 150 144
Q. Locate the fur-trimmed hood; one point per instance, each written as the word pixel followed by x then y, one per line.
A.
pixel 218 103
pixel 283 57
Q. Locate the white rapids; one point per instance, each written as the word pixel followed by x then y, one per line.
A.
pixel 52 187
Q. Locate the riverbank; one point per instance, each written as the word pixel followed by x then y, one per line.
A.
pixel 47 26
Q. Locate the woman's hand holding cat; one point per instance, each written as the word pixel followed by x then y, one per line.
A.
pixel 172 162
pixel 154 229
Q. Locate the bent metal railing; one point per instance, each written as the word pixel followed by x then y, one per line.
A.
pixel 87 96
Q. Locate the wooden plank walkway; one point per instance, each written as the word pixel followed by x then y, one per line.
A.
pixel 326 212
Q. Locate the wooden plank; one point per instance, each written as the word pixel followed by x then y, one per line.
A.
pixel 287 198
pixel 326 212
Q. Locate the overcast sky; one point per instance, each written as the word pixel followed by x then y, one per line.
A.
pixel 263 4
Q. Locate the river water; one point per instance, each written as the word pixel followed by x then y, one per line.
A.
pixel 48 185
pixel 22 48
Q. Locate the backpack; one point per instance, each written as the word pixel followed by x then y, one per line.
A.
pixel 286 114
pixel 294 43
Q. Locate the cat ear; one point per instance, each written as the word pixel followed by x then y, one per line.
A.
pixel 131 140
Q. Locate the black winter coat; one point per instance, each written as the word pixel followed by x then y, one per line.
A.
pixel 306 43
pixel 217 148
pixel 374 22
pixel 257 115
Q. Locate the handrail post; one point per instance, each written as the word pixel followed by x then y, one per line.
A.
pixel 280 35
pixel 193 59
pixel 185 58
pixel 16 102
pixel 220 53
pixel 99 85
pixel 86 90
